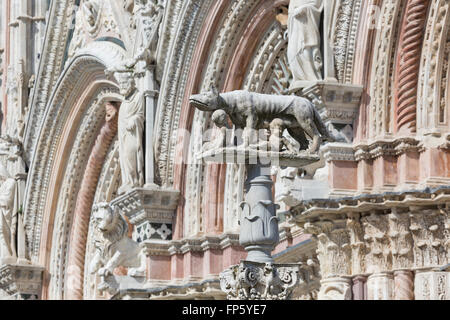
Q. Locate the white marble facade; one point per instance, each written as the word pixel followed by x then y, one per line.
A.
pixel 94 110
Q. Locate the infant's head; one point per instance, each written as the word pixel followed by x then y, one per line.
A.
pixel 219 117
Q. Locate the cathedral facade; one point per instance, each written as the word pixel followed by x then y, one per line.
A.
pixel 105 191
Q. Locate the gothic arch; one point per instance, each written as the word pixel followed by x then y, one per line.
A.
pixel 68 132
pixel 433 116
pixel 225 69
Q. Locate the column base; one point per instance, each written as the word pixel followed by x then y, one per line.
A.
pixel 338 288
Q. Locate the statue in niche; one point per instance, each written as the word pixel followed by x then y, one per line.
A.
pixel 304 47
pixel 130 132
pixel 8 217
pixel 253 111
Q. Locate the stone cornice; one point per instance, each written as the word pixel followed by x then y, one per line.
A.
pixel 366 203
pixel 207 288
pixel 338 152
pixel 387 147
pixel 202 244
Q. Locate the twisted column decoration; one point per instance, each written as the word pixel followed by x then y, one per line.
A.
pixel 410 49
pixel 403 285
pixel 85 199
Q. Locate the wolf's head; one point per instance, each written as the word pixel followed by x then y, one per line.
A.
pixel 209 101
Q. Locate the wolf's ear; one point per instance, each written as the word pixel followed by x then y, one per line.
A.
pixel 214 90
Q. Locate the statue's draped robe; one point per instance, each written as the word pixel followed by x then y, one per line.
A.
pixel 131 151
pixel 8 218
pixel 304 55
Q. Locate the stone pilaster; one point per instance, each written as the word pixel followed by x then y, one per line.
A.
pixel 396 240
pixel 380 286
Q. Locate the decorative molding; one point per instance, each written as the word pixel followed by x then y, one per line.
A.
pixel 57 31
pixel 431 118
pixel 208 289
pixel 85 197
pixel 90 62
pixel 382 148
pixel 380 118
pixel 407 73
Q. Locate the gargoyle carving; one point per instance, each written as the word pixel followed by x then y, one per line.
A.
pixel 253 111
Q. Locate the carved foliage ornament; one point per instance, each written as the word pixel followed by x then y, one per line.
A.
pixel 259 281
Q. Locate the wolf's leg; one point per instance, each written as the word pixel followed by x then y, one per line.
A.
pixel 288 145
pixel 299 135
pixel 311 130
pixel 317 140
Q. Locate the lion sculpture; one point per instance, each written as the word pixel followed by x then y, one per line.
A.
pixel 117 249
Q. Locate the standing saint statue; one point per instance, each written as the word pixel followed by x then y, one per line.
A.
pixel 130 131
pixel 8 217
pixel 304 47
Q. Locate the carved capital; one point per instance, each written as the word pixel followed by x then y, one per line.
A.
pixel 261 281
pixel 151 211
pixel 333 248
pixel 21 282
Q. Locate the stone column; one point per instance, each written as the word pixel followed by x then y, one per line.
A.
pixel 334 253
pixel 151 96
pixel 404 285
pixel 380 286
pixel 259 224
pixel 359 288
pixel 336 288
pixel 432 285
